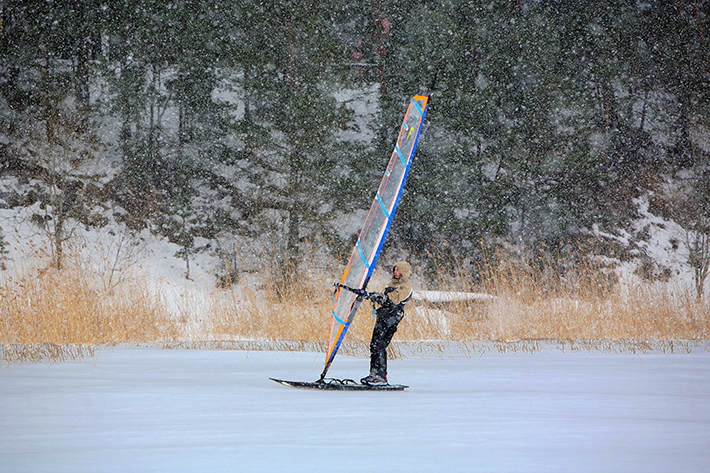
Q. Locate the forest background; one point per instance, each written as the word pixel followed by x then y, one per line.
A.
pixel 256 132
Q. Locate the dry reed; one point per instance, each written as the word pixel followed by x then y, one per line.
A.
pixel 579 300
pixel 54 314
pixel 297 311
pixel 64 314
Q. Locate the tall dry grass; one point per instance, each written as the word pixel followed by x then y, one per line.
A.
pixel 48 313
pixel 296 308
pixel 572 300
pixel 297 311
pixel 62 314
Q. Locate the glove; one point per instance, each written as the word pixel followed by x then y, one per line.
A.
pixel 379 298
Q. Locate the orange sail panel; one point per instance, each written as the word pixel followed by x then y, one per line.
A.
pixel 377 224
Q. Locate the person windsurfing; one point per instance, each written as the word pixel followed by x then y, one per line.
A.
pixel 389 314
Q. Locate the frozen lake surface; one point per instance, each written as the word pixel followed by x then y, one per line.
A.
pixel 150 410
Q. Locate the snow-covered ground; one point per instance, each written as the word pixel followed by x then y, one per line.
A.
pixel 149 409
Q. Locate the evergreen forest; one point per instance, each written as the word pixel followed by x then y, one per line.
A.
pixel 271 122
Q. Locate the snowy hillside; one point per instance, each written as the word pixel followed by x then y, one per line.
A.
pixel 233 158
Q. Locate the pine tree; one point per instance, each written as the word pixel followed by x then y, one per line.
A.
pixel 676 35
pixel 289 61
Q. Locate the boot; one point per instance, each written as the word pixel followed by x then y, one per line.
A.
pixel 374 380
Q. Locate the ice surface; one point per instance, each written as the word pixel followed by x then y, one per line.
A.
pixel 148 409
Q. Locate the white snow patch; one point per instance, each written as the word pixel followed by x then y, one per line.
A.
pixel 446 296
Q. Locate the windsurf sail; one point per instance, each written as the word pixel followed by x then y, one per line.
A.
pixel 377 224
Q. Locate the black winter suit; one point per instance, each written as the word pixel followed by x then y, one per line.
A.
pixel 389 315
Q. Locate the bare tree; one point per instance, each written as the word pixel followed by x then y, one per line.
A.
pixel 687 201
pixel 698 244
pixel 65 181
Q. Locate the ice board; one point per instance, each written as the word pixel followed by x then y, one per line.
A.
pixel 339 385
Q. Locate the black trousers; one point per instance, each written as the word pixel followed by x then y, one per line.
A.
pixel 385 327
